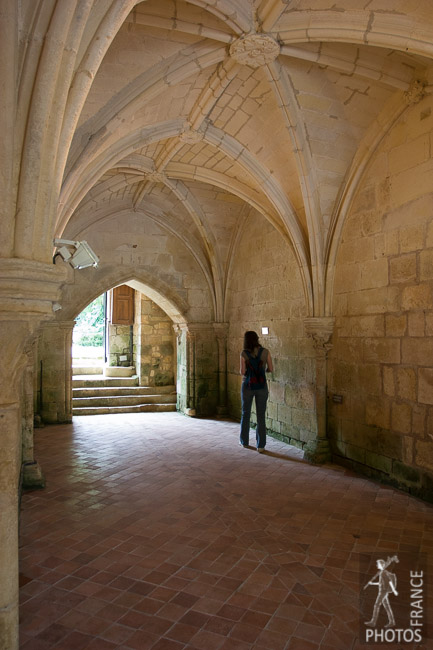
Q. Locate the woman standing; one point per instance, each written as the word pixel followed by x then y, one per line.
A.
pixel 255 362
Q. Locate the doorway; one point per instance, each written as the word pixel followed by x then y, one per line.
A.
pixel 89 336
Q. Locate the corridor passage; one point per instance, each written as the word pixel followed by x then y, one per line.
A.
pixel 157 531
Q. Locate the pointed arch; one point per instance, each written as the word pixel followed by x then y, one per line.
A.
pixel 168 223
pixel 392 111
pixel 401 32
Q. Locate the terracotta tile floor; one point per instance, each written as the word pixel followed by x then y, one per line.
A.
pixel 159 531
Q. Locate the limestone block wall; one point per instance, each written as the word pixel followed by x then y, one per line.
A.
pixel 205 369
pixel 182 374
pixel 382 359
pixel 54 376
pixel 134 249
pixel 119 345
pixel 154 349
pixel 197 369
pixel 265 289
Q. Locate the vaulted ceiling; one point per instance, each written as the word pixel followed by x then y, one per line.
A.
pixel 202 111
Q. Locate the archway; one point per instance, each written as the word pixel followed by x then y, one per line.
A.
pixel 138 372
pixel 89 336
pixel 162 362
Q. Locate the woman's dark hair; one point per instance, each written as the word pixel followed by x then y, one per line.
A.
pixel 251 340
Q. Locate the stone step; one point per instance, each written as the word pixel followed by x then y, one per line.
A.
pixel 122 400
pixel 87 370
pixel 115 391
pixel 106 410
pixel 119 371
pixel 81 381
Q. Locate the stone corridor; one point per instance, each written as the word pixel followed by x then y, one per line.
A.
pixel 159 531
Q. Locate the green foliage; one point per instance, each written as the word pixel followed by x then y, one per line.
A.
pixel 91 340
pixel 89 328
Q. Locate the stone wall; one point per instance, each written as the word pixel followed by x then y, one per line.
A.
pixel 154 352
pixel 54 371
pixel 181 375
pixel 197 370
pixel 265 289
pixel 156 258
pixel 381 362
pixel 205 370
pixel 161 267
pixel 119 337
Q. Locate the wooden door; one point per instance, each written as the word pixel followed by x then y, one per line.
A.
pixel 122 305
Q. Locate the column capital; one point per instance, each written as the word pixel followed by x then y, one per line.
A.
pixel 28 289
pixel 60 324
pixel 320 329
pixel 194 329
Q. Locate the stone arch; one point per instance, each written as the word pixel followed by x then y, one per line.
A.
pixel 289 225
pixel 370 144
pixel 230 12
pixel 159 291
pixel 407 33
pixel 56 339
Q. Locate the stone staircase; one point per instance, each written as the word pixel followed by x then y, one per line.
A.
pixel 96 394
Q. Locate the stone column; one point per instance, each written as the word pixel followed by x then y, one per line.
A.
pixel 13 363
pixel 190 373
pixel 28 290
pixel 55 352
pixel 32 476
pixel 202 368
pixel 221 331
pixel 320 329
pixel 179 334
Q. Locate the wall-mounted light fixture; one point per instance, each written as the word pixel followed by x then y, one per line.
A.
pixel 265 330
pixel 80 258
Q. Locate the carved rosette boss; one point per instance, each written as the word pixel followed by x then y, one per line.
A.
pixel 156 177
pixel 415 92
pixel 190 136
pixel 255 50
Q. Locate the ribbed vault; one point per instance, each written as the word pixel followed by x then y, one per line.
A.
pixel 196 112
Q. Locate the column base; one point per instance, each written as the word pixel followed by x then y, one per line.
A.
pixel 317 451
pixel 38 422
pixel 33 477
pixel 190 412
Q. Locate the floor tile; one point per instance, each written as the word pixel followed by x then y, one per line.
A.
pixel 155 533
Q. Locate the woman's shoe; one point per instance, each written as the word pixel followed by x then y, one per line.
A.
pixel 261 450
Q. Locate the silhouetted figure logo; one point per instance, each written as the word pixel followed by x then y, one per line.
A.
pixel 386 583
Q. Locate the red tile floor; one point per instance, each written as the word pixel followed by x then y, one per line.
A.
pixel 158 531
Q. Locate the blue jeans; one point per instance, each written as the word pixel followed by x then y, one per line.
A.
pixel 247 395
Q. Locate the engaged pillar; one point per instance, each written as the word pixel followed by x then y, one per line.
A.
pixel 21 312
pixel 32 476
pixel 13 337
pixel 320 329
pixel 221 330
pixel 55 353
pixel 190 374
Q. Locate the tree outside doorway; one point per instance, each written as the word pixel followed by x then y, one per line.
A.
pixel 89 334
